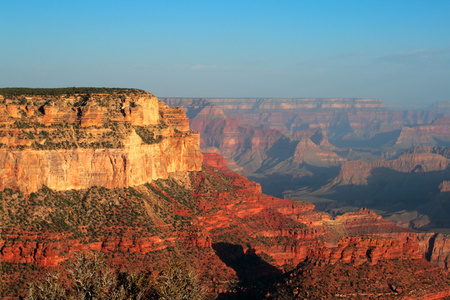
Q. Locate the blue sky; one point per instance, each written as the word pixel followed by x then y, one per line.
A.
pixel 397 51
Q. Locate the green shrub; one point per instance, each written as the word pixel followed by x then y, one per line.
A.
pixel 89 277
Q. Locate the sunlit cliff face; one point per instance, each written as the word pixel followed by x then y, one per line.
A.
pixel 78 141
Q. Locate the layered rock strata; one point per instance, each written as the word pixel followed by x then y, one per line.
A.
pixel 107 159
pixel 357 118
pixel 290 232
pixel 214 214
pixel 116 139
pixel 414 161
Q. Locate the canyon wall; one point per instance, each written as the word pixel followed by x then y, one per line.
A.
pixel 438 132
pixel 117 139
pixel 358 172
pixel 135 164
pixel 336 153
pixel 340 117
pixel 273 135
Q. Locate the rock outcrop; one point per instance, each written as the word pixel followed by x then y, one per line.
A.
pixel 257 147
pixel 445 186
pixel 308 152
pixel 334 152
pixel 358 172
pixel 433 134
pixel 116 139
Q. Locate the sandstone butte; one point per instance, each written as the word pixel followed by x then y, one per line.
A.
pixel 120 172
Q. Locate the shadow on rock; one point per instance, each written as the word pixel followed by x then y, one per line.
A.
pixel 250 268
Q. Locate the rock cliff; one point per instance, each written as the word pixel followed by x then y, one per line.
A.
pixel 434 134
pixel 359 172
pixel 115 139
pixel 259 136
pixel 308 152
pixel 334 152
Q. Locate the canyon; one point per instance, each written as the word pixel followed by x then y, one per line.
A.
pixel 343 118
pixel 120 172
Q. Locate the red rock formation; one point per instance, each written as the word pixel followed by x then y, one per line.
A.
pixel 174 116
pixel 310 153
pixel 343 243
pixel 357 172
pixel 235 141
pixel 215 160
pixel 305 228
pixel 230 210
pixel 92 115
pixel 398 279
pixel 445 186
pixel 229 135
pixel 361 236
pixel 187 213
pixel 318 137
pixel 436 247
pixel 424 134
pixel 251 147
pixel 361 117
pixel 440 254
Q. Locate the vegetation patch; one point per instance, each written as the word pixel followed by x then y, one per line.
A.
pixel 65 91
pixel 148 136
